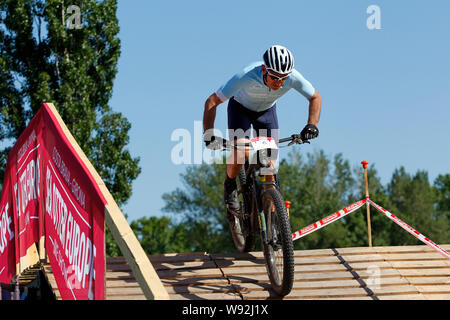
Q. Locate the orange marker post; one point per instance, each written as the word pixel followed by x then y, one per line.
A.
pixel 365 164
pixel 288 205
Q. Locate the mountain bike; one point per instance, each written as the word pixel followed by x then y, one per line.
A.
pixel 263 211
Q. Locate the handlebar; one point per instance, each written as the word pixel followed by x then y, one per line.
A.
pixel 293 139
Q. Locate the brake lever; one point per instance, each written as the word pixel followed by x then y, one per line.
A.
pixel 296 139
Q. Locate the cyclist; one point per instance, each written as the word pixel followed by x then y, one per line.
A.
pixel 252 94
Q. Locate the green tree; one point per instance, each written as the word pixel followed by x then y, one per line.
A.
pixel 154 234
pixel 200 208
pixel 311 185
pixel 318 185
pixel 44 57
pixel 315 186
pixel 413 201
pixel 442 190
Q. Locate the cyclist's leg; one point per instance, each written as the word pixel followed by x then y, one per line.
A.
pixel 238 124
pixel 266 124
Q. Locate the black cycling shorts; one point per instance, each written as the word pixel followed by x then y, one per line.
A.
pixel 241 119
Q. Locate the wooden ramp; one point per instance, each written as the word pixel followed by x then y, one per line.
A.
pixel 378 273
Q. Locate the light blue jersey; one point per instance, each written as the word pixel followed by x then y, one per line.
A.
pixel 248 88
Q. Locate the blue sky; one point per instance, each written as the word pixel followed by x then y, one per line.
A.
pixel 385 92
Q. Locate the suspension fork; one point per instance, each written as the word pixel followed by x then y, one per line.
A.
pixel 258 211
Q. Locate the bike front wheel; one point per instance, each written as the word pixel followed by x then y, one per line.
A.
pixel 278 250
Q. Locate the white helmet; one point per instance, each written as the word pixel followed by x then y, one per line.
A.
pixel 279 59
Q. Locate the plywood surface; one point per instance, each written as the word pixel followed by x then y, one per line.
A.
pixel 377 273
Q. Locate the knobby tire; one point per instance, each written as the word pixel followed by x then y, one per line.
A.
pixel 279 269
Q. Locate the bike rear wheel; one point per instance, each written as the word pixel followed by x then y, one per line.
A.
pixel 278 251
pixel 243 235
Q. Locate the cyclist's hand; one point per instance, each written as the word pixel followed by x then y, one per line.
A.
pixel 310 131
pixel 212 142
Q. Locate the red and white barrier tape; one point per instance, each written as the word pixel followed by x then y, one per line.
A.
pixel 415 233
pixel 342 213
pixel 327 220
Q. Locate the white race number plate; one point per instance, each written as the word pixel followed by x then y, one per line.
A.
pixel 260 143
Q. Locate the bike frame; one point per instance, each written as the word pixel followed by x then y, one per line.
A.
pixel 255 190
pixel 258 201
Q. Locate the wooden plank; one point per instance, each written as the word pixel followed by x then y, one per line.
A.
pixel 436 296
pixel 314 253
pixel 189 273
pixel 190 256
pixel 428 280
pixel 31 258
pixel 131 297
pixel 121 284
pixel 120 275
pixel 361 266
pixel 387 284
pixel 413 256
pixel 358 266
pixel 315 276
pixel 354 251
pixel 401 297
pixel 121 288
pixel 185 265
pixel 373 272
pixel 392 290
pixel 239 263
pixel 424 272
pixel 169 257
pixel 194 281
pixel 206 296
pixel 237 256
pixel 51 280
pixel 303 294
pixel 333 298
pixel 225 288
pixel 124 291
pixel 421 264
pixel 316 260
pixel 434 288
pixel 412 249
pixel 360 258
pixel 244 271
pixel 166 266
pixel 320 276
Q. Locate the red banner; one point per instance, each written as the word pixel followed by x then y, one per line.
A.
pixel 24 172
pixel 7 249
pixel 54 195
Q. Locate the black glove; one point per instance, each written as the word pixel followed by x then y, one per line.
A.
pixel 211 141
pixel 310 131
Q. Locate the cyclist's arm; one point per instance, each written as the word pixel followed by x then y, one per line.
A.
pixel 304 87
pixel 222 94
pixel 209 113
pixel 315 105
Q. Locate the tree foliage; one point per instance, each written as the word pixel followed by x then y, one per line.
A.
pixel 317 185
pixel 48 56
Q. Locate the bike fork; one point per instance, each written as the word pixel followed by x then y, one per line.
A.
pixel 263 227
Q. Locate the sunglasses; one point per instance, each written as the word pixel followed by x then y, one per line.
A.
pixel 277 78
